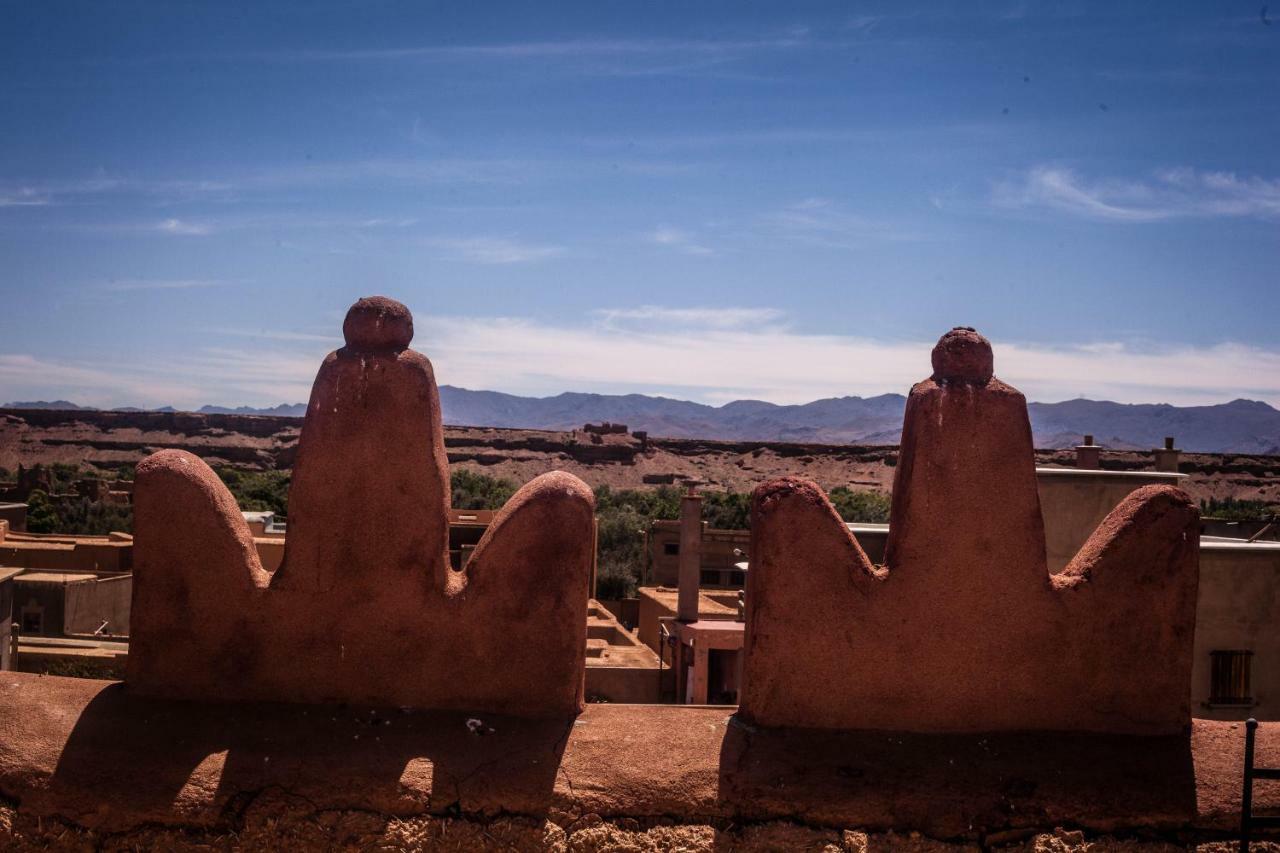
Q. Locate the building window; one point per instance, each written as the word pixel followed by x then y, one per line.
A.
pixel 33 620
pixel 671 548
pixel 1230 678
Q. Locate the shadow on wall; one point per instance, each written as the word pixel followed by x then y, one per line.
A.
pixel 209 766
pixel 217 766
pixel 1006 779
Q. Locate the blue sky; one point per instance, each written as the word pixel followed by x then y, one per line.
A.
pixel 709 201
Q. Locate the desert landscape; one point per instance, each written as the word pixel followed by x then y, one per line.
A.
pixel 111 441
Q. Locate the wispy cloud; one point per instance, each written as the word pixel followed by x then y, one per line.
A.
pixel 674 238
pixel 127 284
pixel 716 355
pixel 267 180
pixel 278 335
pixel 384 222
pixel 44 193
pixel 707 354
pixel 24 376
pixel 25 197
pixel 281 219
pixel 657 317
pixel 827 223
pixel 418 171
pixel 183 228
pixel 1171 194
pixel 589 55
pixel 495 250
pixel 540 50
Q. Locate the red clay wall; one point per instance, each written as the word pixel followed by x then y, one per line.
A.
pixel 964 629
pixel 365 607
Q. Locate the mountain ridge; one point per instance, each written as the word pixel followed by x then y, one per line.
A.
pixel 1239 426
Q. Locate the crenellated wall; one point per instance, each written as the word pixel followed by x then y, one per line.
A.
pixel 365 606
pixel 961 690
pixel 964 628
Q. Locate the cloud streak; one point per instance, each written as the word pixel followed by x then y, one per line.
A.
pixel 674 238
pixel 653 317
pixel 555 49
pixel 127 285
pixel 705 354
pixel 183 228
pixel 495 250
pixel 828 224
pixel 1172 194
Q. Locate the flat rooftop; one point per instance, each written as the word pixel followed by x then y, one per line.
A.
pixel 1171 476
pixel 1223 543
pixel 56 577
pixel 708 599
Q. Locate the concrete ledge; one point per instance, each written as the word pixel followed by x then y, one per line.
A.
pixel 92 754
pixel 1170 477
pixel 1222 544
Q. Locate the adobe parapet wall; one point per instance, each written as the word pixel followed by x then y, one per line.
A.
pixel 364 606
pixel 95 756
pixel 961 687
pixel 965 628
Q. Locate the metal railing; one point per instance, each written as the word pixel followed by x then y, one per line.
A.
pixel 1248 820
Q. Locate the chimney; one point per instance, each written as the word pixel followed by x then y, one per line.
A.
pixel 690 555
pixel 1087 454
pixel 1167 457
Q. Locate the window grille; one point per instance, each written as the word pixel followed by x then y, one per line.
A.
pixel 1230 682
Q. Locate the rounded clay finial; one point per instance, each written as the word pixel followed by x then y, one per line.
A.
pixel 962 355
pixel 378 323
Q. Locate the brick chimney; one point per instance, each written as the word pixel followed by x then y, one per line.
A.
pixel 1087 454
pixel 690 555
pixel 1167 457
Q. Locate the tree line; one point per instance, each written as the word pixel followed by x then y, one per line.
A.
pixel 623 515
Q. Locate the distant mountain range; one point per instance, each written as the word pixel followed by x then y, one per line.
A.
pixel 1241 426
pixel 284 410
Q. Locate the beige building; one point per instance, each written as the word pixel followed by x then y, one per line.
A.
pixel 1236 671
pixel 620 668
pixel 710 671
pixel 39 601
pixel 1073 501
pixel 6 617
pixel 722 550
pixel 15 514
pixel 109 554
